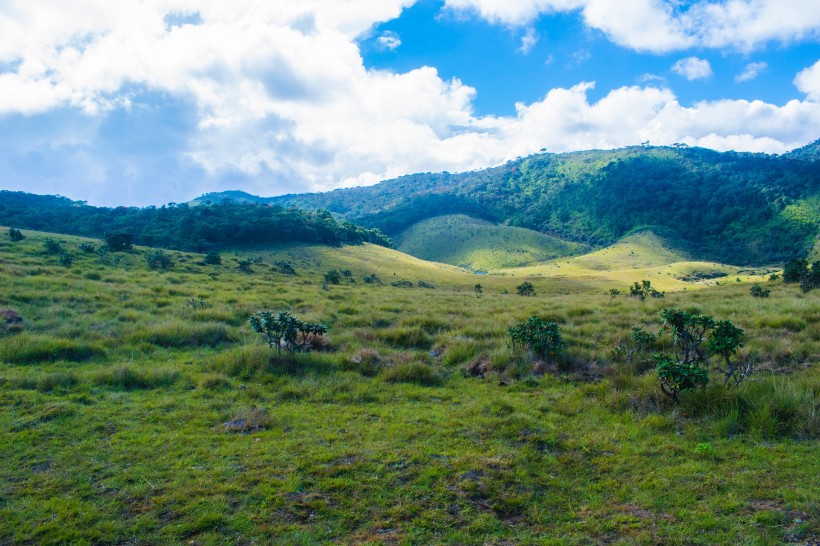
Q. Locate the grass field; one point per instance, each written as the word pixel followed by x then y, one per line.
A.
pixel 480 245
pixel 139 407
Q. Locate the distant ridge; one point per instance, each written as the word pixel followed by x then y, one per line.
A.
pixel 744 208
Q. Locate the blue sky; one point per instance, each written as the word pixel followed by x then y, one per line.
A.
pixel 141 103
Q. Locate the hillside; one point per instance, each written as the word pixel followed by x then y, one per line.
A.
pixel 478 244
pixel 730 207
pixel 138 402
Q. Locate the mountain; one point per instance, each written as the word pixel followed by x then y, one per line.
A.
pixel 733 207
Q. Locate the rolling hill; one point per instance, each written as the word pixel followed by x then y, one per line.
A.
pixel 734 207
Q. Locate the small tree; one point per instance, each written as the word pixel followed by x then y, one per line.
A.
pixel 724 341
pixel 372 279
pixel 794 270
pixel 212 258
pixel 284 331
pixel 614 293
pixel 478 289
pixel 643 289
pixel 245 266
pixel 158 260
pixel 811 278
pixel 117 241
pixel 52 247
pixel 88 248
pixel 758 291
pixel 286 268
pixel 525 289
pixel 333 277
pixel 16 235
pixel 541 337
pixel 66 259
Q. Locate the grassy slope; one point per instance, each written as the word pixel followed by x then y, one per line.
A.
pixel 478 244
pixel 114 398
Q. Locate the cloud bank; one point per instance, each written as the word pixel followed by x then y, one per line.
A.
pixel 146 102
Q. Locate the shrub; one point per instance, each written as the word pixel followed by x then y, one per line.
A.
pixel 425 284
pixel 66 259
pixel 117 241
pixel 811 278
pixel 16 235
pixel 794 270
pixel 614 293
pixel 245 265
pixel 158 260
pixel 283 330
pixel 478 289
pixel 525 289
pixel 212 258
pixel 633 349
pixel 402 284
pixel 10 322
pixel 643 289
pixel 286 268
pixel 372 279
pixel 52 247
pixel 758 291
pixel 676 376
pixel 333 277
pixel 88 248
pixel 541 337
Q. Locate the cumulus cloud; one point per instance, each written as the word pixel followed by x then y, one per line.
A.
pixel 752 71
pixel 668 25
pixel 808 81
pixel 389 40
pixel 126 104
pixel 693 68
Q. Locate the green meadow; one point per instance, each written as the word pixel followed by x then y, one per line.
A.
pixel 139 407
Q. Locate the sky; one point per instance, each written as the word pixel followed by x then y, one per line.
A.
pixel 147 102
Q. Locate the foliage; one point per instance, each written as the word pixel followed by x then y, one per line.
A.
pixel 525 289
pixel 642 290
pixel 16 235
pixel 88 248
pixel 181 227
pixel 676 376
pixel 425 284
pixel 333 277
pixel 158 259
pixel 811 278
pixel 52 247
pixel 478 289
pixel 614 293
pixel 284 331
pixel 286 268
pixel 212 258
pixel 541 337
pixel 758 291
pixel 66 259
pixel 372 279
pixel 635 347
pixel 688 333
pixel 794 270
pixel 117 241
pixel 402 283
pixel 724 341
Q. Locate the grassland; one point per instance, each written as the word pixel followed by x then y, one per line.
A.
pixel 138 407
pixel 480 245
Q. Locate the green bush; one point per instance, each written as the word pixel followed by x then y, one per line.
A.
pixel 158 260
pixel 212 258
pixel 284 331
pixel 758 291
pixel 333 277
pixel 16 235
pixel 412 372
pixel 541 337
pixel 525 289
pixel 52 247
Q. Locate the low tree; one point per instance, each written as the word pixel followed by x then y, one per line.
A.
pixel 212 258
pixel 794 270
pixel 158 260
pixel 66 259
pixel 811 278
pixel 724 341
pixel 525 289
pixel 52 247
pixel 117 241
pixel 536 334
pixel 614 293
pixel 758 291
pixel 643 289
pixel 333 277
pixel 88 248
pixel 16 235
pixel 284 331
pixel 478 289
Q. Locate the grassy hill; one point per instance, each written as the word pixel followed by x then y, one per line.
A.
pixel 732 207
pixel 139 406
pixel 477 244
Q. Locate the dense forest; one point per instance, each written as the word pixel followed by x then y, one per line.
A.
pixel 736 207
pixel 183 227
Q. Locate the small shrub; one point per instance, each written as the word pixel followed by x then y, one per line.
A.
pixel 333 277
pixel 346 273
pixel 614 293
pixel 88 248
pixel 643 289
pixel 794 270
pixel 402 284
pixel 284 331
pixel 811 278
pixel 758 291
pixel 525 289
pixel 158 260
pixel 478 289
pixel 118 241
pixel 424 284
pixel 676 377
pixel 212 258
pixel 245 265
pixel 16 235
pixel 66 259
pixel 541 337
pixel 52 247
pixel 286 268
pixel 412 372
pixel 10 322
pixel 372 279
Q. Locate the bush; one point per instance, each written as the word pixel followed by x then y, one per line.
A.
pixel 52 247
pixel 158 260
pixel 16 235
pixel 117 241
pixel 541 337
pixel 643 289
pixel 372 279
pixel 284 331
pixel 758 291
pixel 286 268
pixel 212 258
pixel 88 248
pixel 811 278
pixel 425 284
pixel 245 266
pixel 525 289
pixel 66 259
pixel 333 277
pixel 794 270
pixel 402 284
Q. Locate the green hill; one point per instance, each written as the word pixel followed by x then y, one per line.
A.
pixel 478 244
pixel 730 207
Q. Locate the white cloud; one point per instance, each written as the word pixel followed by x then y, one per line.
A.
pixel 808 81
pixel 277 97
pixel 693 68
pixel 668 25
pixel 389 40
pixel 752 71
pixel 528 41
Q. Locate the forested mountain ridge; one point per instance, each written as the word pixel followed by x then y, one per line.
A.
pixel 742 208
pixel 182 227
